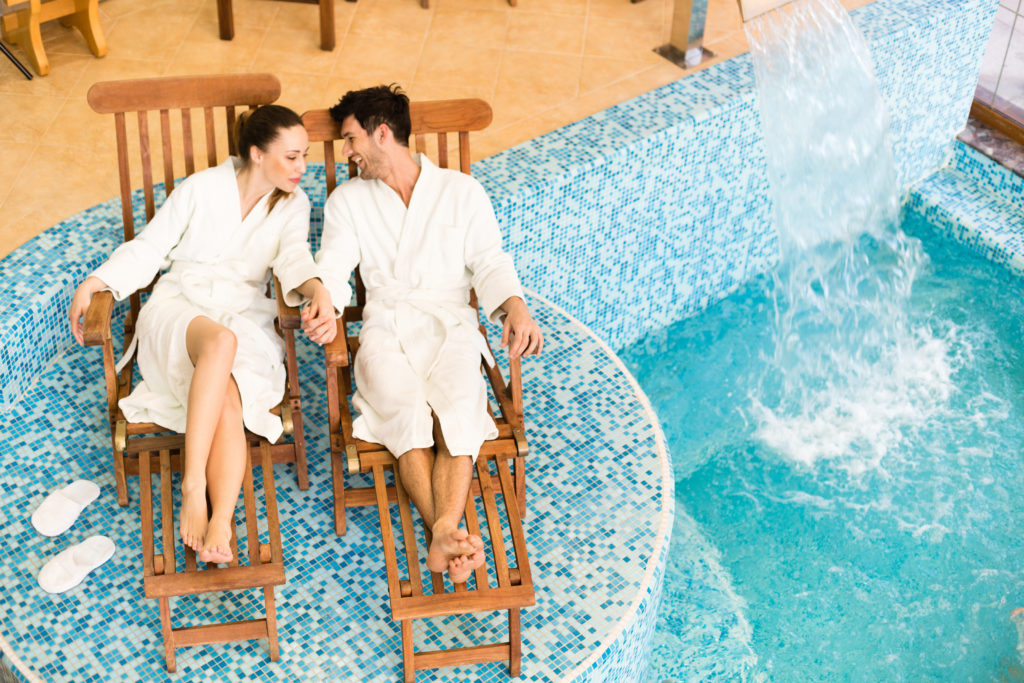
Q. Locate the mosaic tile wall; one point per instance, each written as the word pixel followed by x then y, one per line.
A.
pixel 645 213
pixel 978 202
pixel 597 461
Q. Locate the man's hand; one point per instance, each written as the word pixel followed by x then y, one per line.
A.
pixel 519 332
pixel 318 315
pixel 80 304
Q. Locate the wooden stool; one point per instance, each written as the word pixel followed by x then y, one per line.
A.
pixel 226 20
pixel 21 26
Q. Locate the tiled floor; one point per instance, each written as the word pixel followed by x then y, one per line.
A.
pixel 541 65
pixel 1002 70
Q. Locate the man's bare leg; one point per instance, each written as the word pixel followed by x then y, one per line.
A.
pixel 415 467
pixel 225 470
pixel 211 347
pixel 453 548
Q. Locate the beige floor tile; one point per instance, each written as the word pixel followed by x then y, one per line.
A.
pixel 302 92
pixel 293 50
pixel 621 39
pixel 554 6
pixel 374 60
pixel 443 63
pixel 78 126
pixel 16 155
pixel 148 34
pixel 306 16
pixel 464 4
pixel 531 83
pixel 539 31
pixel 15 232
pixel 113 68
pixel 25 118
pixel 65 70
pixel 402 21
pixel 600 71
pixel 471 27
pixel 442 91
pixel 649 11
pixel 203 51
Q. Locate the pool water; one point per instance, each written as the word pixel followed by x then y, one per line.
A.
pixel 903 567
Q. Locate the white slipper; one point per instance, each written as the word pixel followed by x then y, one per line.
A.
pixel 67 568
pixel 58 512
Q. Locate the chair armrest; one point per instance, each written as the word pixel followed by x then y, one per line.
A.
pixel 97 319
pixel 287 316
pixel 336 352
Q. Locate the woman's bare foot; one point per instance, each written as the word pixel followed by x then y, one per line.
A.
pixel 447 544
pixel 193 520
pixel 217 548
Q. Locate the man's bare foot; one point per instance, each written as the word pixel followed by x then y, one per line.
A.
pixel 218 543
pixel 192 522
pixel 459 568
pixel 448 544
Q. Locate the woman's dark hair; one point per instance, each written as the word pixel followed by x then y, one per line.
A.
pixel 258 128
pixel 385 104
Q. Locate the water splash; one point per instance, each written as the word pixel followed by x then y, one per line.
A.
pixel 850 377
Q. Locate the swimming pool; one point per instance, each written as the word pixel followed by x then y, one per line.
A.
pixel 906 569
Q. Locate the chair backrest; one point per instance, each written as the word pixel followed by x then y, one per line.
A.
pixel 441 118
pixel 217 96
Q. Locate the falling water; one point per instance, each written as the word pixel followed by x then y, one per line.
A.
pixel 850 378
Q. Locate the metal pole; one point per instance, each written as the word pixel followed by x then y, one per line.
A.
pixel 14 60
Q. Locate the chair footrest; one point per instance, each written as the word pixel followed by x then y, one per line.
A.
pixel 253 629
pixel 220 579
pixel 490 599
pixel 477 654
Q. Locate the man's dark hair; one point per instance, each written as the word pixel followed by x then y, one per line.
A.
pixel 385 104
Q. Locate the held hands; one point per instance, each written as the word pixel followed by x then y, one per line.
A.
pixel 318 315
pixel 519 332
pixel 80 304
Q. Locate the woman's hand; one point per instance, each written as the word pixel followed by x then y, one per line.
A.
pixel 80 304
pixel 519 332
pixel 318 315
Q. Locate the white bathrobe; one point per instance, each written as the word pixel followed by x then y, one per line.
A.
pixel 219 268
pixel 419 348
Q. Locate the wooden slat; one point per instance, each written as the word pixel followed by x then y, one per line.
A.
pixel 233 562
pixel 229 113
pixel 167 150
pixel 216 579
pixel 330 166
pixel 515 524
pixel 436 580
pixel 190 559
pixel 147 171
pixel 421 144
pixel 477 654
pixel 450 115
pixel 464 164
pixel 412 558
pixel 186 141
pixel 167 512
pixel 515 642
pixel 146 508
pixel 270 499
pixel 252 629
pixel 211 137
pixel 193 92
pixel 249 501
pixel 493 521
pixel 387 535
pixel 96 324
pixel 124 176
pixel 442 149
pixel 473 526
pixel 419 606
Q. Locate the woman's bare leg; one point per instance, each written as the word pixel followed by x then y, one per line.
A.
pixel 211 347
pixel 225 470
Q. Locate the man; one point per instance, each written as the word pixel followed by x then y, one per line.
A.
pixel 422 236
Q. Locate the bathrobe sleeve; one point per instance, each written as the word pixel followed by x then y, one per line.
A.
pixel 339 249
pixel 134 264
pixel 294 264
pixel 493 273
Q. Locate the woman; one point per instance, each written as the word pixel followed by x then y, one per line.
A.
pixel 210 359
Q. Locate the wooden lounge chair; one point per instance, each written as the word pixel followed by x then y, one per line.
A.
pixel 146 448
pixel 500 480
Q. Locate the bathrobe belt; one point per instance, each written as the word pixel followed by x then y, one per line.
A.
pixel 204 285
pixel 447 306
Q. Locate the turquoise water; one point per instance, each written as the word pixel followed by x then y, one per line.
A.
pixel 899 561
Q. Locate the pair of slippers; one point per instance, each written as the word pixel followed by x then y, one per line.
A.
pixel 54 516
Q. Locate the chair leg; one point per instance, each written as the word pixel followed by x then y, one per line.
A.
pixel 268 601
pixel 120 479
pixel 225 19
pixel 327 25
pixel 87 20
pixel 338 482
pixel 165 626
pixel 408 654
pixel 27 34
pixel 515 645
pixel 299 438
